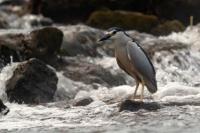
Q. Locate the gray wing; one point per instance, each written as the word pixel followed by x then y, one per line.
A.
pixel 142 64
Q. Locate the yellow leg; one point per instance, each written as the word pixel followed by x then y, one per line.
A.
pixel 136 88
pixel 142 92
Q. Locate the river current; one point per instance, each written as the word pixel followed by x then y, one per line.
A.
pixel 178 82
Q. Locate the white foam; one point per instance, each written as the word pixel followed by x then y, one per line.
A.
pixel 175 92
pixel 6 74
pixel 23 116
pixel 67 88
pixel 190 36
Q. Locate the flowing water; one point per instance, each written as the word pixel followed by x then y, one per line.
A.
pixel 178 82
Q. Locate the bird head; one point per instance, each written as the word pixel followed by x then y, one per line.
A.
pixel 111 32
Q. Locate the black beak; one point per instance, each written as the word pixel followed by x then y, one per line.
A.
pixel 105 37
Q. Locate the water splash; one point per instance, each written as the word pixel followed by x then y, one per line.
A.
pixel 6 74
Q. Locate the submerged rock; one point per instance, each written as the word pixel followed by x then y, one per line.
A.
pixel 3 109
pixel 40 43
pixel 137 105
pixel 82 101
pixel 32 82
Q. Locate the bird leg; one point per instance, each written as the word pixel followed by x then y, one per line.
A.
pixel 142 91
pixel 133 97
pixel 136 88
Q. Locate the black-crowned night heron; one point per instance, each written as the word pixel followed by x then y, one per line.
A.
pixel 133 60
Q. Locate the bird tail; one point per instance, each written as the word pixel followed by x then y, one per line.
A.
pixel 151 86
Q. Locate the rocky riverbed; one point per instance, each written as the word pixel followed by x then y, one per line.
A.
pixel 58 78
pixel 91 89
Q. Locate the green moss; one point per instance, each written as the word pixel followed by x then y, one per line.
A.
pixel 168 27
pixel 123 19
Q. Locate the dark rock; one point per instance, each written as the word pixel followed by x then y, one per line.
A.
pixel 3 24
pixel 80 70
pixel 126 20
pixel 32 82
pixel 3 109
pixel 137 105
pixel 42 43
pixel 45 42
pixel 82 101
pixel 1 64
pixel 168 27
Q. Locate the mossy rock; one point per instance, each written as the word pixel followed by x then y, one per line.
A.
pixel 168 27
pixel 123 19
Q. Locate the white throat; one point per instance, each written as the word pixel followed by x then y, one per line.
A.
pixel 120 39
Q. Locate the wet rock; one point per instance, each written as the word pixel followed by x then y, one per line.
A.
pixel 40 43
pixel 80 40
pixel 79 70
pixel 1 64
pixel 126 20
pixel 45 42
pixel 82 101
pixel 3 24
pixel 32 83
pixel 137 105
pixel 3 109
pixel 168 27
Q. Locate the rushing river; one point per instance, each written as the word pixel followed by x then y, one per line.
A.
pixel 178 82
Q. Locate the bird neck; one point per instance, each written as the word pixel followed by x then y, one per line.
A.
pixel 121 39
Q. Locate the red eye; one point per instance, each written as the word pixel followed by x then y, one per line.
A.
pixel 114 32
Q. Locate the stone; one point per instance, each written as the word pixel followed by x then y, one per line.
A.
pixel 168 27
pixel 3 109
pixel 41 43
pixel 82 101
pixel 33 82
pixel 123 19
pixel 137 105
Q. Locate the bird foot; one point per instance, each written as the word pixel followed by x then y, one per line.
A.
pixel 135 98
